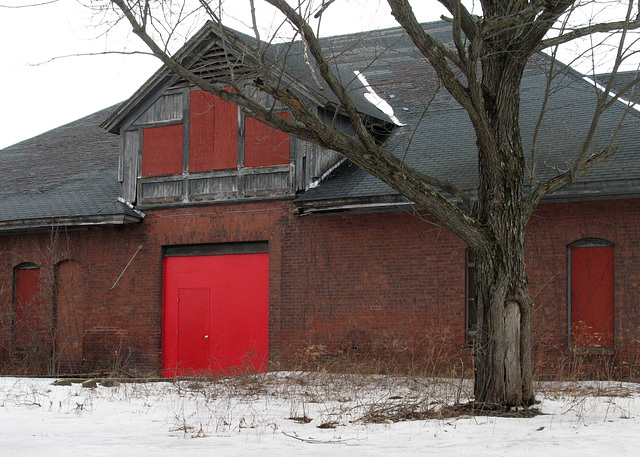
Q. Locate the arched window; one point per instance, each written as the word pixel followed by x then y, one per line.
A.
pixel 590 293
pixel 28 316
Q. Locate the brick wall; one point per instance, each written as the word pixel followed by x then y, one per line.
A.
pixel 550 231
pixel 122 327
pixel 386 283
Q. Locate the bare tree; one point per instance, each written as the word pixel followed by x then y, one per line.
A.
pixel 482 71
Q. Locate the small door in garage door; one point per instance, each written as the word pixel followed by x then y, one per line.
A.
pixel 216 313
pixel 193 328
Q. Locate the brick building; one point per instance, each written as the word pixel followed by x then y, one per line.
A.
pixel 175 233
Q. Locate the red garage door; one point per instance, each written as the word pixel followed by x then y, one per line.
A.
pixel 216 313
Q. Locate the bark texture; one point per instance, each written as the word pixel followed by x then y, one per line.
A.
pixel 503 346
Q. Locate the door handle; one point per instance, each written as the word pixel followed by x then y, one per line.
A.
pixel 206 337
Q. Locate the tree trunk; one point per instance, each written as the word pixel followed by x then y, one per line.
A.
pixel 503 341
pixel 503 345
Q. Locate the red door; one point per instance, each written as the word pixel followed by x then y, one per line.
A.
pixel 592 296
pixel 193 329
pixel 216 313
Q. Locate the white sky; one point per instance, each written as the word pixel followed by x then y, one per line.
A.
pixel 39 94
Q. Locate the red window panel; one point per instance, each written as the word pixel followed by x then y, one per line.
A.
pixel 592 296
pixel 265 146
pixel 162 151
pixel 213 133
pixel 28 310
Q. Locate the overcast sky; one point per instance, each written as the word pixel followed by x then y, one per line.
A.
pixel 39 93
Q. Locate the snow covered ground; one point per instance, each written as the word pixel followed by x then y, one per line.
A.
pixel 268 415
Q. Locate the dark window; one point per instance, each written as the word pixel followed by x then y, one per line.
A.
pixel 471 296
pixel 591 293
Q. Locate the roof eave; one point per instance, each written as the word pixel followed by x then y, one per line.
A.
pixel 395 202
pixel 353 204
pixel 22 226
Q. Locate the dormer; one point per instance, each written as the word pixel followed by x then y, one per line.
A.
pixel 190 146
pixel 182 145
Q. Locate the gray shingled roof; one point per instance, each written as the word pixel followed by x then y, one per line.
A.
pixel 71 172
pixel 440 140
pixel 621 81
pixel 67 175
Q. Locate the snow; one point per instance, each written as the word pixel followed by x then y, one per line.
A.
pixel 252 416
pixel 372 97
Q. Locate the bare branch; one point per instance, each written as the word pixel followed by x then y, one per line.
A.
pixel 589 30
pixel 32 5
pixel 83 54
pixel 467 21
pixel 254 22
pixel 369 156
pixel 323 8
pixel 437 54
pixel 263 114
pixel 583 161
pixel 565 179
pixel 323 65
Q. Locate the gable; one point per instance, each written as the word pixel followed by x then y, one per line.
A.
pixel 183 145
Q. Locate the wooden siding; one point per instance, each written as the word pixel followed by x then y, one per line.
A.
pixel 130 162
pixel 154 192
pixel 168 107
pixel 213 188
pixel 216 186
pixel 266 184
pixel 311 162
